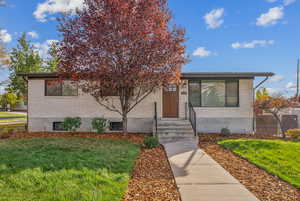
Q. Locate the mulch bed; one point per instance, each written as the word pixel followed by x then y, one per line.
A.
pixel 263 185
pixel 152 178
pixel 132 137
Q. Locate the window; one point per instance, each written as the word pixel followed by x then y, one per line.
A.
pixel 58 88
pixel 58 126
pixel 195 93
pixel 116 126
pixel 214 93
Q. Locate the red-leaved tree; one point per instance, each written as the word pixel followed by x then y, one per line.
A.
pixel 124 48
pixel 274 105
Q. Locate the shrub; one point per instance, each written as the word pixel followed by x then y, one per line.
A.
pixel 72 124
pixel 293 133
pixel 225 132
pixel 99 124
pixel 151 142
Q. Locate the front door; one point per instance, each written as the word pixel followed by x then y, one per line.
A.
pixel 170 101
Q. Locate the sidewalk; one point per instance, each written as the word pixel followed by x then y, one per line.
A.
pixel 199 177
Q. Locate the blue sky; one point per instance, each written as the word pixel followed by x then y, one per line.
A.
pixel 224 36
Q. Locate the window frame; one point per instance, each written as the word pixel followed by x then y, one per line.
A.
pixel 199 81
pixel 116 122
pixel 61 89
pixel 54 126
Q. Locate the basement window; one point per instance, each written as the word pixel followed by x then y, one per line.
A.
pixel 58 126
pixel 116 126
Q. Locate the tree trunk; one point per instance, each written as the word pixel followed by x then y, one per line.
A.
pixel 124 119
pixel 280 125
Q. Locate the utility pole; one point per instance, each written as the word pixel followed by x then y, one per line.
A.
pixel 297 93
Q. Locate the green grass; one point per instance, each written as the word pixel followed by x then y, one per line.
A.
pixel 65 169
pixel 280 158
pixel 15 119
pixel 9 114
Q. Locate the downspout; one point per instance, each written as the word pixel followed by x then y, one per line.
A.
pixel 27 119
pixel 254 89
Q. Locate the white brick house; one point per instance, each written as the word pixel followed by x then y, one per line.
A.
pixel 219 100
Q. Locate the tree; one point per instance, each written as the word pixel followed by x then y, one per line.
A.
pixel 274 105
pixel 52 62
pixel 124 48
pixel 9 98
pixel 24 59
pixel 262 93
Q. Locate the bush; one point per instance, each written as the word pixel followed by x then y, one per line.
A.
pixel 72 124
pixel 99 124
pixel 151 142
pixel 225 132
pixel 293 133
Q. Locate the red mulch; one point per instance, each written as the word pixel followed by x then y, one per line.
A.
pixel 132 137
pixel 152 178
pixel 263 185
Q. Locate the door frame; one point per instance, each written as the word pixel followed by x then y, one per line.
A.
pixel 162 102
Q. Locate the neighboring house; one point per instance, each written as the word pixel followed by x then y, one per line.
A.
pixel 219 100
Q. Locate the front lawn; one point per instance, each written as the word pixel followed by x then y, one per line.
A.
pixel 65 169
pixel 281 158
pixel 11 114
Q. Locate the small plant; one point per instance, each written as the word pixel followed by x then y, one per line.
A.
pixel 225 132
pixel 99 124
pixel 151 142
pixel 293 133
pixel 72 124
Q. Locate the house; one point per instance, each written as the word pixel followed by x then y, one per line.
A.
pixel 210 101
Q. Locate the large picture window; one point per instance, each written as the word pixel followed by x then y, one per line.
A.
pixel 61 88
pixel 214 93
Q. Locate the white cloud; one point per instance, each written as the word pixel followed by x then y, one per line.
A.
pixel 43 48
pixel 202 52
pixel 290 85
pixel 50 7
pixel 213 19
pixel 252 44
pixel 5 37
pixel 271 17
pixel 33 34
pixel 288 2
pixel 277 78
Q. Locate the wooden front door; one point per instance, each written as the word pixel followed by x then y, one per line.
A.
pixel 170 101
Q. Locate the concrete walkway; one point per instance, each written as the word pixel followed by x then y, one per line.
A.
pixel 199 177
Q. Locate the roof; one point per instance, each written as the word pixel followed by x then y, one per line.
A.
pixel 38 75
pixel 186 76
pixel 244 75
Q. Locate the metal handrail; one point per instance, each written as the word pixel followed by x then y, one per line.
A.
pixel 155 117
pixel 193 118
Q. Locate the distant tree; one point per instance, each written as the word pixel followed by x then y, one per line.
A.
pixel 9 98
pixel 124 48
pixel 24 59
pixel 262 93
pixel 274 105
pixel 51 63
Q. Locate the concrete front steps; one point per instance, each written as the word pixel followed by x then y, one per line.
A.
pixel 174 128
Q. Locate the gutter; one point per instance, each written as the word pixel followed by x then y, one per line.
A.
pixel 254 89
pixel 26 80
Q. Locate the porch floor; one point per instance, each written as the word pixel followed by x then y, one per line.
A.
pixel 199 177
